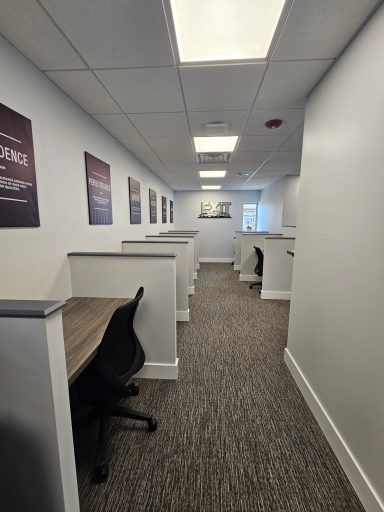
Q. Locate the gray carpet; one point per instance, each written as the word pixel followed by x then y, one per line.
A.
pixel 234 431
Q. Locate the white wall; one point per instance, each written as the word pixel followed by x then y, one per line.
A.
pixel 33 261
pixel 271 206
pixel 336 329
pixel 216 238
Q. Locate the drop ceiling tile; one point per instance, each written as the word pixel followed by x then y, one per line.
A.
pixel 292 119
pixel 136 145
pixel 162 124
pixel 261 142
pixel 286 157
pixel 118 33
pixel 118 125
pixel 144 90
pixel 171 159
pixel 234 119
pixel 286 84
pixel 252 157
pixel 183 169
pixel 294 143
pixel 85 90
pixel 173 145
pixel 278 168
pixel 258 183
pixel 320 30
pixel 26 25
pixel 224 87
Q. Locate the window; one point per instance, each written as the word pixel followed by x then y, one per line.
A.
pixel 249 216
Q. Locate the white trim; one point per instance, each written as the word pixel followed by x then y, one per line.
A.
pixel 251 277
pixel 195 275
pixel 198 266
pixel 182 316
pixel 354 472
pixel 159 371
pixel 236 267
pixel 216 260
pixel 191 290
pixel 267 294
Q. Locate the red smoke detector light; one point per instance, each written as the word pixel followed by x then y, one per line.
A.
pixel 272 124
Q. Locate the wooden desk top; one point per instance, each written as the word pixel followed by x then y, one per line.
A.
pixel 84 322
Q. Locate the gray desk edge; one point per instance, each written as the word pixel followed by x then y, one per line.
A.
pixel 29 308
pixel 184 231
pixel 126 254
pixel 169 235
pixel 277 235
pixel 280 238
pixel 150 242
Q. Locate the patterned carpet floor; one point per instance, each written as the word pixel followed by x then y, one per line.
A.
pixel 234 431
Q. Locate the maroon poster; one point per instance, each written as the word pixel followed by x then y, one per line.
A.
pixel 99 190
pixel 164 209
pixel 18 191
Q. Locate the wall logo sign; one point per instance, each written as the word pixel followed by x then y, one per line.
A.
pixel 99 190
pixel 212 210
pixel 18 190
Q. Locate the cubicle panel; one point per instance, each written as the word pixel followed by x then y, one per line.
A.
pixel 36 445
pixel 195 245
pixel 237 263
pixel 248 255
pixel 278 267
pixel 119 275
pixel 181 251
pixel 191 259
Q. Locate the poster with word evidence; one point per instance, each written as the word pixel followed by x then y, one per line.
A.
pixel 163 209
pixel 152 206
pixel 99 190
pixel 134 201
pixel 18 188
pixel 171 212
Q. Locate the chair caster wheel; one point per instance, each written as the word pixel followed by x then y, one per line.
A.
pixel 152 425
pixel 100 474
pixel 134 390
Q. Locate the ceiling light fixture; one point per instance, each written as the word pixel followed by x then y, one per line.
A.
pixel 212 174
pixel 272 124
pixel 211 187
pixel 215 144
pixel 222 30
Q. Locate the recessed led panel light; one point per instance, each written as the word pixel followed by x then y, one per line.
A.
pixel 211 187
pixel 215 144
pixel 212 174
pixel 222 30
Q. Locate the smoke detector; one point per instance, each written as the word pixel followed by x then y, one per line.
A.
pixel 216 128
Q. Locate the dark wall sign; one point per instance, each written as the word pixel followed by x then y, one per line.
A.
pixel 99 190
pixel 134 201
pixel 18 191
pixel 171 212
pixel 152 206
pixel 163 209
pixel 215 210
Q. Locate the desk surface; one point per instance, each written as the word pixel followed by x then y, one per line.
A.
pixel 84 322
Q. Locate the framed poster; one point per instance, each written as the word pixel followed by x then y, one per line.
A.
pixel 171 211
pixel 152 206
pixel 18 188
pixel 99 190
pixel 134 201
pixel 163 209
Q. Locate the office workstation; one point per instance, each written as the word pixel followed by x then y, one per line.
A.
pixel 134 179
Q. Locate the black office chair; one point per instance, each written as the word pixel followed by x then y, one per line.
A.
pixel 106 379
pixel 259 264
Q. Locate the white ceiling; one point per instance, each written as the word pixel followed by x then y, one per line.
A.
pixel 117 60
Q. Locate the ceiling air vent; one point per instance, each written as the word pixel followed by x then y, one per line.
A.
pixel 213 158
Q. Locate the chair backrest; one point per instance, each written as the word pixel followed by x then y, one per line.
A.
pixel 260 261
pixel 120 353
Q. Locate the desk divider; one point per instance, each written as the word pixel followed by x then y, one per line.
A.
pixel 237 263
pixel 191 258
pixel 278 267
pixel 195 245
pixel 180 248
pixel 192 232
pixel 119 275
pixel 248 255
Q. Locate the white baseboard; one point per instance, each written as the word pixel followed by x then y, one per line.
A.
pixel 216 260
pixel 198 266
pixel 236 267
pixel 251 277
pixel 159 371
pixel 266 294
pixel 182 316
pixel 195 275
pixel 191 290
pixel 354 472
